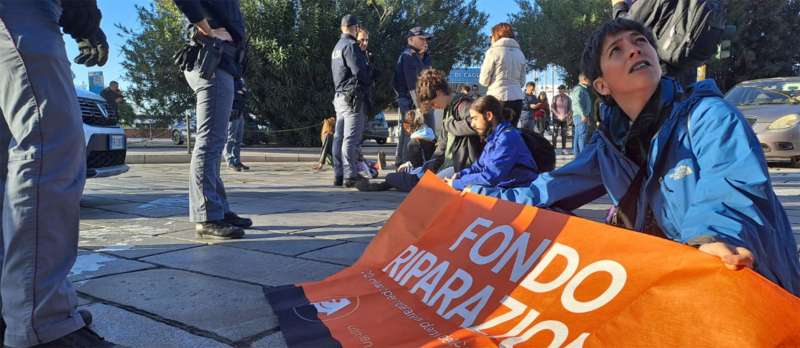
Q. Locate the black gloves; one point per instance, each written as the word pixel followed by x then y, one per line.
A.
pixel 80 18
pixel 93 50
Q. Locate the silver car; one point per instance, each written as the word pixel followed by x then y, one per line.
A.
pixel 106 144
pixel 772 107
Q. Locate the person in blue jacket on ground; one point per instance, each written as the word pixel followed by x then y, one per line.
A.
pixel 683 165
pixel 505 160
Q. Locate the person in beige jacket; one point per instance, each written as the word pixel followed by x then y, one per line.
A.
pixel 504 68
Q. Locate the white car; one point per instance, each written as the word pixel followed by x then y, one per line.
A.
pixel 106 144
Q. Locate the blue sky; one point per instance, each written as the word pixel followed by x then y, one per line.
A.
pixel 124 12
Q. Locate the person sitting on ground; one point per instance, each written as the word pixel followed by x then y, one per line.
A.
pixel 681 165
pixel 422 139
pixel 326 136
pixel 457 144
pixel 505 161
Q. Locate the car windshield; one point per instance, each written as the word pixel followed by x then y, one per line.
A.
pixel 765 93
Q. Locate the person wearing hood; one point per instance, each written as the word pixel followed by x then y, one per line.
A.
pixel 681 165
pixel 503 70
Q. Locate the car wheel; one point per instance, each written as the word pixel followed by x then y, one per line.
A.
pixel 795 162
pixel 381 141
pixel 177 139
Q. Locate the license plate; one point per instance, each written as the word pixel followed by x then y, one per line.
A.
pixel 116 142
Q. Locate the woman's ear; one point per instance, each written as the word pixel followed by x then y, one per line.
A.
pixel 601 87
pixel 488 116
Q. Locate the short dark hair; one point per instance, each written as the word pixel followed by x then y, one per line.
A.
pixel 531 83
pixel 560 87
pixel 429 82
pixel 113 83
pixel 592 51
pixel 489 103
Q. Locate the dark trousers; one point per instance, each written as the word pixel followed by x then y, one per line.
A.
pixel 560 127
pixel 419 151
pixel 403 182
pixel 327 150
pixel 516 106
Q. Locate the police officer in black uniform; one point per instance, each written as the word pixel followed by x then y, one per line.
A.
pixel 211 63
pixel 351 79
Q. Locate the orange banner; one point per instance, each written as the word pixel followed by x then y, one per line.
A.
pixel 462 270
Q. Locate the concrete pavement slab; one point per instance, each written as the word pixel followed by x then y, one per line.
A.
pixel 295 221
pixel 344 254
pixel 275 340
pixel 148 210
pixel 90 265
pixel 360 234
pixel 280 243
pixel 141 331
pixel 147 246
pixel 246 265
pixel 230 309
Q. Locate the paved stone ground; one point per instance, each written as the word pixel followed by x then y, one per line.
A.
pixel 150 283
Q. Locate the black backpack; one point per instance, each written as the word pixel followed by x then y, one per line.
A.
pixel 544 154
pixel 687 31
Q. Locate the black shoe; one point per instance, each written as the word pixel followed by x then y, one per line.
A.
pixel 82 338
pixel 235 167
pixel 367 186
pixel 236 220
pixel 86 316
pixel 356 180
pixel 244 167
pixel 218 230
pixel 338 181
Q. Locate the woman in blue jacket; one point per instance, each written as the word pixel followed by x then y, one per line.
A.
pixel 683 165
pixel 505 160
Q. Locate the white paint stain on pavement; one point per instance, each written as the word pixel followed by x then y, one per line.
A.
pixel 88 263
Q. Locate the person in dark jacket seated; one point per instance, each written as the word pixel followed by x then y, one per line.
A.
pixel 505 161
pixel 457 144
pixel 680 165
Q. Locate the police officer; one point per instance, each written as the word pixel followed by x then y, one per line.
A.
pixel 43 169
pixel 412 61
pixel 351 79
pixel 219 34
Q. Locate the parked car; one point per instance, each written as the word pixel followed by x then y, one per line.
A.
pixel 254 132
pixel 377 129
pixel 772 107
pixel 106 144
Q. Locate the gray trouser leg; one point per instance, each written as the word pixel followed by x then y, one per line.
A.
pixel 404 106
pixel 347 135
pixel 207 199
pixel 234 142
pixel 42 173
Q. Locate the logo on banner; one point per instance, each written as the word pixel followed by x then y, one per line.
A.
pixel 330 309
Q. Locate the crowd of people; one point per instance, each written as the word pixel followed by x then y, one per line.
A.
pixel 658 147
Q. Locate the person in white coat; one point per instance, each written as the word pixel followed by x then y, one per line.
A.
pixel 504 68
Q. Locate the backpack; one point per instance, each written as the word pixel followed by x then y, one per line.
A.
pixel 543 152
pixel 687 31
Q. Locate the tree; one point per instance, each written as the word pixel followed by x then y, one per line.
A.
pixel 157 87
pixel 555 31
pixel 289 58
pixel 766 43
